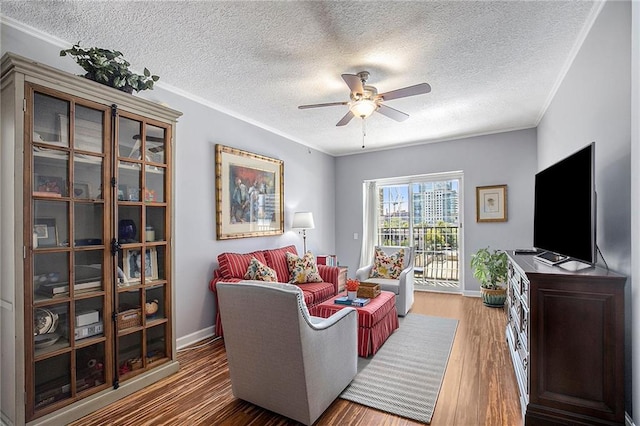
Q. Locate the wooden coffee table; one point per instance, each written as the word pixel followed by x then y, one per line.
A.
pixel 376 320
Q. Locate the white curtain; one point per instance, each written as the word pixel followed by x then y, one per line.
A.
pixel 369 221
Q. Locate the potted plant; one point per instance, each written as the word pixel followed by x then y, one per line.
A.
pixel 490 268
pixel 109 67
pixel 352 289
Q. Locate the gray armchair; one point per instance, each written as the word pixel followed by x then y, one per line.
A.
pixel 402 286
pixel 280 357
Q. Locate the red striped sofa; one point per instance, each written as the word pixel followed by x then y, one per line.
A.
pixel 233 266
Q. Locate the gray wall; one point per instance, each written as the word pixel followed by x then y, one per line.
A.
pixel 503 158
pixel 309 182
pixel 593 104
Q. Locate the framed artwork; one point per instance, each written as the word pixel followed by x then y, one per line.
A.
pixel 123 192
pixel 132 264
pixel 133 193
pixel 491 203
pixel 249 194
pixel 81 190
pixel 50 186
pixel 46 232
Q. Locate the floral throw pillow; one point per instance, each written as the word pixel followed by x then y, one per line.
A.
pixel 259 271
pixel 303 269
pixel 387 266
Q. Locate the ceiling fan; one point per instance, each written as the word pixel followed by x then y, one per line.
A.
pixel 365 99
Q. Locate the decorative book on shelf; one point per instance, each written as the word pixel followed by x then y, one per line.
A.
pixel 47 194
pixel 54 289
pixel 87 277
pixel 327 259
pixel 358 301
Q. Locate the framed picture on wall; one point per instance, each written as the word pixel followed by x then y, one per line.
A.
pixel 249 194
pixel 491 203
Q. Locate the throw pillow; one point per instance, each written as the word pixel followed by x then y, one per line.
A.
pixel 387 266
pixel 259 271
pixel 277 259
pixel 234 265
pixel 303 269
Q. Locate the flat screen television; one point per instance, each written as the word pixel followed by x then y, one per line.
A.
pixel 564 223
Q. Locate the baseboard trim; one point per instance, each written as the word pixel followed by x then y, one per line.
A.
pixel 197 336
pixel 4 420
pixel 471 293
pixel 628 421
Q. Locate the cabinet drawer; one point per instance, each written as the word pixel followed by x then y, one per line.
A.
pixel 524 320
pixel 514 313
pixel 524 289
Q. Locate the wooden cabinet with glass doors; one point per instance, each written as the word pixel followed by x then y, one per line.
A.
pixel 97 243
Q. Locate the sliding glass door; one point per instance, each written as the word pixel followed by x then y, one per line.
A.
pixel 425 212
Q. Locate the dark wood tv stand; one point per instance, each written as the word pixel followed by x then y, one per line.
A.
pixel 565 332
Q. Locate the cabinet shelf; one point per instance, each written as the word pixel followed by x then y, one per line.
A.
pixel 156 168
pixel 40 300
pixel 61 346
pixel 130 330
pixel 90 341
pixel 81 295
pixel 156 321
pixel 86 157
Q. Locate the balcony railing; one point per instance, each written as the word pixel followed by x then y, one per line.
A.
pixel 437 254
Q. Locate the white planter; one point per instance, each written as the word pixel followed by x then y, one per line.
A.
pixel 352 295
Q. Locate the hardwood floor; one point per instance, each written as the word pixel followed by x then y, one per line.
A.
pixel 479 386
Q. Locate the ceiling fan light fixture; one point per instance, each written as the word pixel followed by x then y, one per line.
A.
pixel 363 108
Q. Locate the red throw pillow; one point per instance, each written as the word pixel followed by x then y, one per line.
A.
pixel 234 265
pixel 277 259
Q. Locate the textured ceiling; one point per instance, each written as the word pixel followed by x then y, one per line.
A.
pixel 492 66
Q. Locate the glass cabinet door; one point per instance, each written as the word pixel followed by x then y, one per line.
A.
pixel 143 299
pixel 69 262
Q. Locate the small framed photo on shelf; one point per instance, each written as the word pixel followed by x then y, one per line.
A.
pixel 123 192
pixel 81 190
pixel 491 203
pixel 45 232
pixel 49 186
pixel 132 264
pixel 133 193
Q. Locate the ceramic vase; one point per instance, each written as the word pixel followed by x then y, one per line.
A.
pixel 127 231
pixel 352 295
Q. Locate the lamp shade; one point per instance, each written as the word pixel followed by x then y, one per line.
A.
pixel 303 220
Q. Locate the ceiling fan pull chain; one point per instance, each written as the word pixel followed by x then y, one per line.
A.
pixel 364 131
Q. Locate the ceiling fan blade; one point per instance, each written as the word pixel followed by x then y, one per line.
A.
pixel 322 105
pixel 346 119
pixel 418 89
pixel 392 113
pixel 354 83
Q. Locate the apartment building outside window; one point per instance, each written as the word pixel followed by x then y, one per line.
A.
pixel 424 212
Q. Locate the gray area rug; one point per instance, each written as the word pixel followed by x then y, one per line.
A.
pixel 405 375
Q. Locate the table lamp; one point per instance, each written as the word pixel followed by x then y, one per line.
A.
pixel 304 221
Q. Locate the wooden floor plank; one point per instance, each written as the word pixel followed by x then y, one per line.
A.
pixel 479 387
